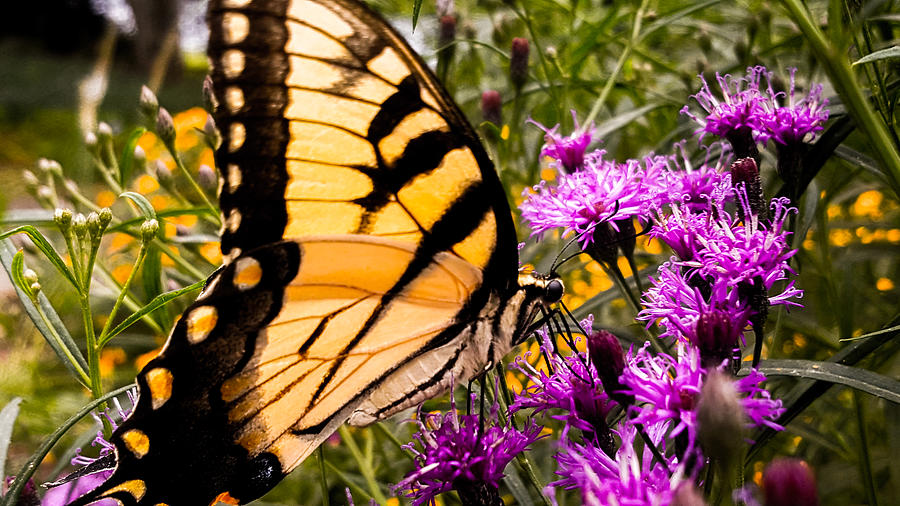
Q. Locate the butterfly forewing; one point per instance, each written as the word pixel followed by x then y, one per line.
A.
pixel 370 257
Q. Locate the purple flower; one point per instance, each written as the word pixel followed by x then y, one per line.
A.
pixel 631 478
pixel 459 452
pixel 63 494
pixel 797 120
pixel 665 389
pixel 758 403
pixel 603 192
pixel 673 179
pixel 568 151
pixel 739 109
pixel 572 385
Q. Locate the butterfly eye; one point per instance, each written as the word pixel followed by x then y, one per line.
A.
pixel 553 292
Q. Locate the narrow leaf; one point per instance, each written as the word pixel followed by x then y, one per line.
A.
pixel 417 6
pixel 142 203
pixel 52 329
pixel 670 18
pixel 126 161
pixel 883 54
pixel 38 217
pixel 17 273
pixel 854 377
pixel 151 276
pixel 7 420
pixel 620 120
pixel 46 248
pixel 157 302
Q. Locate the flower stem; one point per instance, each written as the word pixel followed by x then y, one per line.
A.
pixel 320 454
pixel 364 465
pixel 841 75
pixel 142 254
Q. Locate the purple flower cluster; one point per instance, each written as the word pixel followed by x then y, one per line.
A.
pixel 462 453
pixel 747 106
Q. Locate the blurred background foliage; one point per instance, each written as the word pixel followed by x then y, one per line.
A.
pixel 68 65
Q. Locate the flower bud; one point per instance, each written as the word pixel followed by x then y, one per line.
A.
pixel 148 104
pixel 45 195
pixel 213 137
pixel 149 229
pixel 71 186
pixel 744 170
pixel 31 181
pixel 721 419
pixel 63 219
pixel 165 126
pixel 716 336
pixel 90 142
pixel 207 179
pixel 106 217
pixel 104 132
pixel 687 495
pixel 79 225
pixel 604 246
pixel 791 482
pixel 140 159
pixel 30 276
pixel 447 30
pixel 551 52
pixel 50 167
pixel 518 61
pixel 93 225
pixel 608 358
pixel 209 97
pixel 35 288
pixel 490 106
pixel 163 174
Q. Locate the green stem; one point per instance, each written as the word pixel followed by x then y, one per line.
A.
pixel 320 454
pixel 364 466
pixel 841 75
pixel 214 212
pixel 615 273
pixel 620 64
pixel 12 496
pixel 142 254
pixel 865 463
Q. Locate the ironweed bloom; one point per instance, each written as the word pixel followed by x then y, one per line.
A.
pixel 631 477
pixel 459 452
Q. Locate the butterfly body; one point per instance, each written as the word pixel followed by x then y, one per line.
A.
pixel 370 258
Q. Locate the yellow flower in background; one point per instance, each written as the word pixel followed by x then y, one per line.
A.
pixel 187 123
pixel 109 359
pixel 212 252
pixel 146 184
pixel 884 284
pixel 868 204
pixel 105 198
pixel 120 273
pixel 144 358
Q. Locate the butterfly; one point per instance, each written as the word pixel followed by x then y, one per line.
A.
pixel 370 258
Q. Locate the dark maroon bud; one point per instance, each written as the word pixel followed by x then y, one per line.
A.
pixel 608 358
pixel 789 482
pixel 518 61
pixel 490 106
pixel 604 246
pixel 447 30
pixel 626 236
pixel 742 143
pixel 745 171
pixel 477 492
pixel 28 496
pixel 715 336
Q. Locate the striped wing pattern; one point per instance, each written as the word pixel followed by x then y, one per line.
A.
pixel 365 231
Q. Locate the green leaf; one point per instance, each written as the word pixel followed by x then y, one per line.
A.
pixel 126 161
pixel 670 18
pixel 142 203
pixel 157 302
pixel 7 420
pixel 151 276
pixel 854 377
pixel 620 120
pixel 417 6
pixel 51 328
pixel 38 217
pixel 872 334
pixel 883 54
pixel 17 274
pixel 31 466
pixel 46 248
pixel 804 394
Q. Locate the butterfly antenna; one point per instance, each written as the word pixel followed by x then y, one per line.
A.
pixel 556 263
